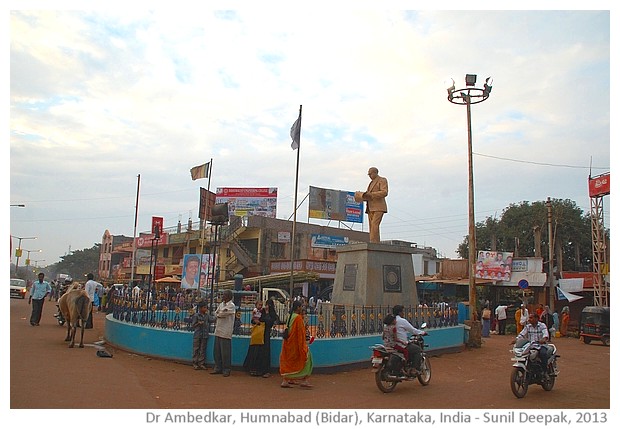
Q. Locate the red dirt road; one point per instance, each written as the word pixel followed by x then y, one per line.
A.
pixel 46 374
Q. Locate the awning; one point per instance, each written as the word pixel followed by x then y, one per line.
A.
pixel 567 295
pixel 168 280
pixel 273 280
pixel 571 285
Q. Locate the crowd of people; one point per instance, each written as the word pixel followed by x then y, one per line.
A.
pixel 296 358
pixel 495 322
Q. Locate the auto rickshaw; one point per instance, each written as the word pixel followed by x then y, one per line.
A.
pixel 594 324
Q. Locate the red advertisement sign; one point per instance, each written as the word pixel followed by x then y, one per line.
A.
pixel 157 224
pixel 599 185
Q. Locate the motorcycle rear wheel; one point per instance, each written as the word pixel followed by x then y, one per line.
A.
pixel 424 376
pixel 518 382
pixel 547 385
pixel 384 385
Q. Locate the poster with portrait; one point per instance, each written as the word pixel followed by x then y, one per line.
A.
pixel 197 270
pixel 494 265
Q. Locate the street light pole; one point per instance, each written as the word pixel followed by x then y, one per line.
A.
pixel 468 96
pixel 472 218
pixel 18 251
pixel 28 257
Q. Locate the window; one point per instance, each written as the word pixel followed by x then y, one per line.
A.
pixel 277 251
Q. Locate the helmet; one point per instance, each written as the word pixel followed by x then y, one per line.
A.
pixel 68 280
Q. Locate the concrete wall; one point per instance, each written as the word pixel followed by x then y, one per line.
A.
pixel 329 354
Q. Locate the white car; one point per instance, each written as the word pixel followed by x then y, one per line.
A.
pixel 18 288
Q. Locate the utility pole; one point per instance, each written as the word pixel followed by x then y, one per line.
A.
pixel 551 279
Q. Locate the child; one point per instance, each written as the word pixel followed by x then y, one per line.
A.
pixel 200 324
pixel 257 313
pixel 389 331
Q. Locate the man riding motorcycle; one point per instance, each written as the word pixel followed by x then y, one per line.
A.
pixel 412 352
pixel 536 332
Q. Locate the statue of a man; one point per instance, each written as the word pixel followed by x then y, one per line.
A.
pixel 375 202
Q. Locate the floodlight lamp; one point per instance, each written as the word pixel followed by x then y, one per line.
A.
pixel 488 86
pixel 449 85
pixel 219 214
pixel 470 79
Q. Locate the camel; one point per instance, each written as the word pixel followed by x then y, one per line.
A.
pixel 75 306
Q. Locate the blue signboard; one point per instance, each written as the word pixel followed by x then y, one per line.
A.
pixel 328 241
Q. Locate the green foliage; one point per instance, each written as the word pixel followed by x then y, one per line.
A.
pixel 515 229
pixel 78 263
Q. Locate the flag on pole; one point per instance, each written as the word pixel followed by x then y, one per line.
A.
pixel 296 132
pixel 200 171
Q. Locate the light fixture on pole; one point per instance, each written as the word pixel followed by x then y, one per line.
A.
pixel 18 251
pixel 468 96
pixel 219 217
pixel 28 252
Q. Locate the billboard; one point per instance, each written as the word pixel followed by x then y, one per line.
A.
pixel 494 265
pixel 197 271
pixel 249 201
pixel 331 204
pixel 599 185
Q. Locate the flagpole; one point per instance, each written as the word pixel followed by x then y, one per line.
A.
pixel 204 226
pixel 135 227
pixel 295 207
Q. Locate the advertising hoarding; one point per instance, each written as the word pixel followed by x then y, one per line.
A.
pixel 494 265
pixel 599 185
pixel 332 204
pixel 249 201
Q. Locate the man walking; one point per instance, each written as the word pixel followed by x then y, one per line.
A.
pixel 39 290
pixel 91 288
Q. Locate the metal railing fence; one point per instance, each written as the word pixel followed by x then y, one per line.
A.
pixel 328 321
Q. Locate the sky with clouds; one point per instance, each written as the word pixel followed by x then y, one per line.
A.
pixel 99 97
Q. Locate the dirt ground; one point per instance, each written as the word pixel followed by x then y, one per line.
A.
pixel 46 374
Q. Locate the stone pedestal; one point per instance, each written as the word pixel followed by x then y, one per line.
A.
pixel 375 274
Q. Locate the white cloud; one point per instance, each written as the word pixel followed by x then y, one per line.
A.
pixel 99 97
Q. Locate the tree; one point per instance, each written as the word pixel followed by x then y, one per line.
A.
pixel 78 263
pixel 514 232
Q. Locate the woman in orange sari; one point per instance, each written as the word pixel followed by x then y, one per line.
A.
pixel 295 359
pixel 565 318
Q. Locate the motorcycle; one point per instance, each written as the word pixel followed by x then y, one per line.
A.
pixel 390 366
pixel 59 317
pixel 528 368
